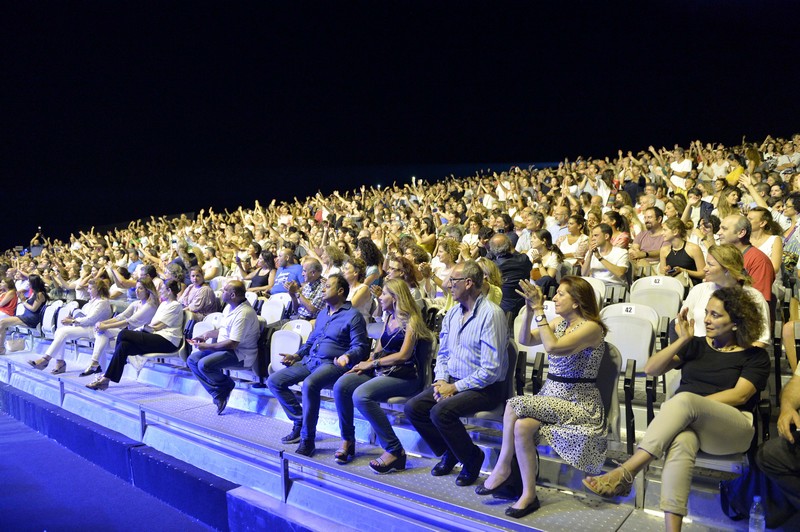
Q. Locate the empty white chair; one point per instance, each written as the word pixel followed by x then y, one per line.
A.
pixel 282 298
pixel 282 342
pixel 599 289
pixel 301 327
pixel 632 329
pixel 251 298
pixel 272 311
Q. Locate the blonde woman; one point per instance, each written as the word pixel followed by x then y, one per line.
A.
pixel 492 280
pixel 390 371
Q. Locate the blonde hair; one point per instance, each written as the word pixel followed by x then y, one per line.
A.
pixel 729 257
pixel 406 310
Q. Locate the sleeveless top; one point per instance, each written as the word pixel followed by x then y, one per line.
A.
pixel 260 280
pixel 682 259
pixel 11 308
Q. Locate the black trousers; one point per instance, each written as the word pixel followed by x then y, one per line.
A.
pixel 135 343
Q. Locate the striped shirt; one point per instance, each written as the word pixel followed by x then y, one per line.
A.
pixel 473 354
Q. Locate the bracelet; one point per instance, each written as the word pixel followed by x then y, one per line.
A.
pixel 376 363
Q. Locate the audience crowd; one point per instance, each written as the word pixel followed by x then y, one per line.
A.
pixel 712 216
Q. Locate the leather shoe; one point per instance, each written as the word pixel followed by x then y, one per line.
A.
pixel 445 465
pixel 221 402
pixel 292 437
pixel 306 448
pixel 518 513
pixel 483 490
pixel 471 470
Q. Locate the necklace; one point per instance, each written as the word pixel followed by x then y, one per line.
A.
pixel 675 251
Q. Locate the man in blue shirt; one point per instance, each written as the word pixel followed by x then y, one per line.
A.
pixel 470 368
pixel 288 271
pixel 338 342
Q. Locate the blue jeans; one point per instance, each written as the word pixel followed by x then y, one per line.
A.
pixel 322 376
pixel 366 393
pixel 207 366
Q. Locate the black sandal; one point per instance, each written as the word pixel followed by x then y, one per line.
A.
pixel 380 467
pixel 345 453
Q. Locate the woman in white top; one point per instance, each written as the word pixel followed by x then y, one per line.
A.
pixel 724 267
pixel 354 270
pixel 137 315
pixel 96 310
pixel 547 260
pixel 767 236
pixel 574 244
pixel 471 238
pixel 162 335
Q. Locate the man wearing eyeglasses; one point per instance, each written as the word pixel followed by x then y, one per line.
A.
pixel 470 368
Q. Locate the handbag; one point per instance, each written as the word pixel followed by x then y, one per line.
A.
pixel 398 371
pixel 15 343
pixel 736 496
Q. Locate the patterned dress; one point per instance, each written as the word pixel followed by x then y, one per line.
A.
pixel 571 413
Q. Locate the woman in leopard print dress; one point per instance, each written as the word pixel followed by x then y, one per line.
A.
pixel 567 413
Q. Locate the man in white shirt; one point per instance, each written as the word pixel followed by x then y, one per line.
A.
pixel 234 344
pixel 680 167
pixel 604 261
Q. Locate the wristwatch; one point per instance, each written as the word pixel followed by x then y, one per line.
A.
pixel 540 318
pixel 376 363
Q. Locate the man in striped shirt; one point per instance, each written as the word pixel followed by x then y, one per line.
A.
pixel 470 368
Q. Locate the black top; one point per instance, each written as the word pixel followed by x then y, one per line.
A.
pixel 706 371
pixel 513 267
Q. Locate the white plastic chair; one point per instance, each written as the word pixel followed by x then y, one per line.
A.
pixel 251 298
pixel 599 289
pixel 282 342
pixel 301 327
pixel 214 319
pixel 49 324
pixel 181 350
pixel 632 329
pixel 272 311
pixel 282 298
pixel 664 294
pixel 217 283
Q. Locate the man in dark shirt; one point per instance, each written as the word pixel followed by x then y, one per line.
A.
pixel 514 267
pixel 338 342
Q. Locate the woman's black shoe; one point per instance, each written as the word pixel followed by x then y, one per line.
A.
pixel 398 464
pixel 518 513
pixel 483 490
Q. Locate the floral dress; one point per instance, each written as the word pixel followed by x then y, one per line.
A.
pixel 571 413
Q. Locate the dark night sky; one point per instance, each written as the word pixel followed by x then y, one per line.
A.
pixel 115 110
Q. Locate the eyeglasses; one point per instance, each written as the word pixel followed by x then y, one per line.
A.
pixel 454 280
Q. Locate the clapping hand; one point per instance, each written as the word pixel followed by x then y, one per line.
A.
pixel 684 327
pixel 532 294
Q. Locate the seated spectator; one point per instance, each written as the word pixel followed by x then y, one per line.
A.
pixel 34 309
pixel 332 259
pixel 620 235
pixel 390 371
pixel 724 268
pixel 575 243
pixel 559 228
pixel 604 261
pixel 492 280
pixel 212 267
pixel 8 298
pixel 198 298
pixel 96 310
pixel 646 247
pixel 398 267
pixel 679 258
pixel 162 335
pixel 262 276
pixel 307 300
pixel 233 345
pixel 567 413
pixel 287 271
pixel 547 261
pixel 470 369
pixel 337 343
pixel 514 267
pixel 359 295
pixel 135 317
pixel 372 257
pixel 722 375
pixel 778 457
pixel 736 230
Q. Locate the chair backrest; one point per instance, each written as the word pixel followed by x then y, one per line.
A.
pixel 301 327
pixel 202 328
pixel 424 355
pixel 664 294
pixel 272 311
pixel 632 335
pixel 638 310
pixel 49 319
pixel 65 311
pixel 375 330
pixel 607 381
pixel 496 414
pixel 214 319
pixel 282 342
pixel 660 283
pixel 251 297
pixel 283 298
pixel 599 288
pixel 217 283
